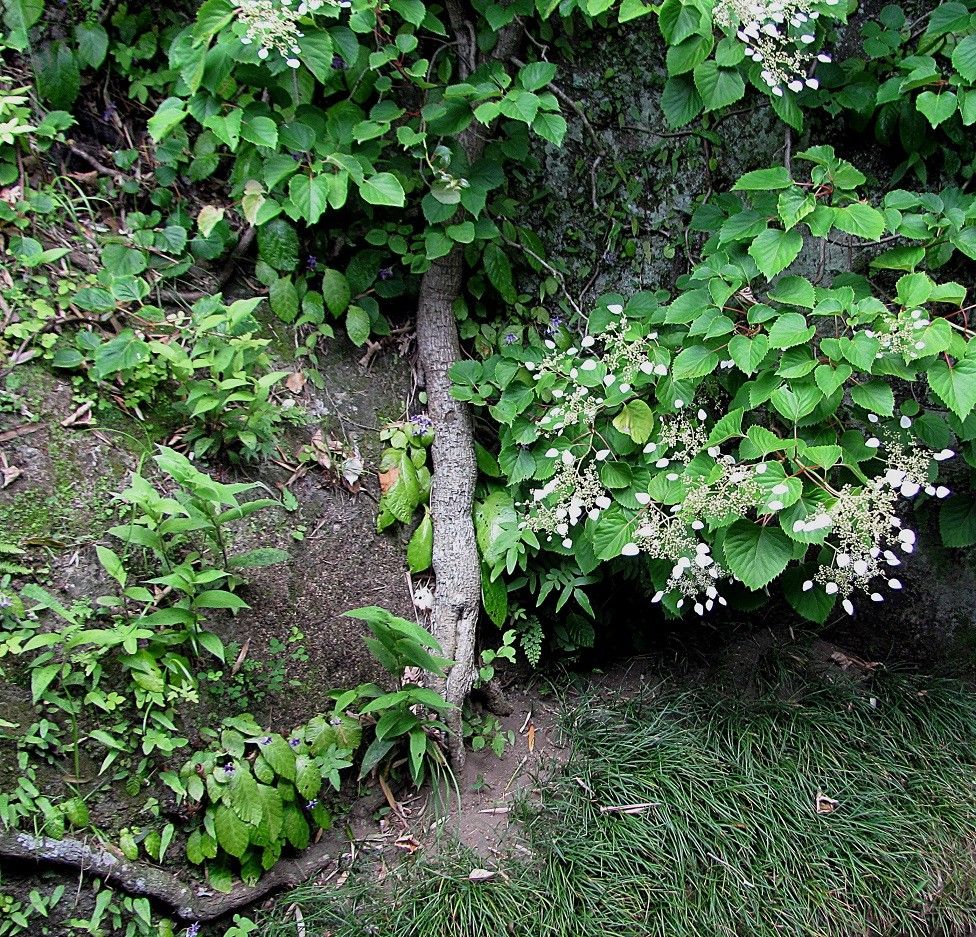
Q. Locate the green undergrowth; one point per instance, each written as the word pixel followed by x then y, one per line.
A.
pixel 825 808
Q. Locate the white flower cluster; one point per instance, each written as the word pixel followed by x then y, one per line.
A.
pixel 898 332
pixel 274 25
pixel 624 360
pixel 863 532
pixel 777 34
pixel 865 529
pixel 577 492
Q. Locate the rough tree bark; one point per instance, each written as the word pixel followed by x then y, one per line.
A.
pixel 456 565
pixel 191 902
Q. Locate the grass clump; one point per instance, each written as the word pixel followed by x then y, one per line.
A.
pixel 734 842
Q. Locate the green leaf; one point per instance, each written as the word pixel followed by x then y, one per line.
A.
pixel 756 554
pixel 829 378
pixel 774 250
pixel 278 244
pixel 937 108
pixel 860 220
pixel 614 530
pixel 794 291
pixel 56 75
pixel 680 101
pixel 955 386
pixel 957 521
pixel 383 189
pixel 499 272
pixel 550 126
pixel 41 679
pixel 92 42
pixel 308 777
pixel 718 87
pixel 242 795
pixel 283 298
pixel 208 218
pixel 748 353
pixel 358 326
pixel 219 598
pixel 420 547
pixel 696 361
pixel 76 812
pixel 876 396
pixel 336 291
pixel 168 116
pixel 309 195
pixel 259 557
pixel 635 420
pixel 964 58
pixel 789 330
pixel 317 53
pixel 232 832
pixel 494 597
pixel 262 131
pixel 763 180
pixel 226 127
pixel 899 258
pixel 520 105
pixel 914 289
pixel 279 756
pixel 536 75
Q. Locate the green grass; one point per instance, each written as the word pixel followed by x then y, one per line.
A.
pixel 735 845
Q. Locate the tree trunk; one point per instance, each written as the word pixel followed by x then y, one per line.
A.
pixel 456 564
pixel 457 568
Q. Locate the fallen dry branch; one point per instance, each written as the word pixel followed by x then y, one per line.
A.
pixel 192 902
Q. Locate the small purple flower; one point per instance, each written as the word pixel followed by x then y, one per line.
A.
pixel 385 273
pixel 229 768
pixel 311 262
pixel 510 338
pixel 338 63
pixel 193 929
pixel 311 805
pixel 266 740
pixel 5 601
pixel 294 743
pixel 422 421
pixel 555 324
pixel 108 113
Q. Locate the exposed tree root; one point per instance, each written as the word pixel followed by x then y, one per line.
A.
pixel 192 902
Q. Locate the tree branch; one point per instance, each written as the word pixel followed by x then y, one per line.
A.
pixel 192 902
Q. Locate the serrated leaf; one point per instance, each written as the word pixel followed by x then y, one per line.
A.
pixel 876 396
pixel 718 87
pixel 774 250
pixel 957 521
pixel 383 189
pixel 232 832
pixel 696 361
pixel 955 386
pixel 860 220
pixel 309 195
pixel 336 292
pixel 756 554
pixel 748 353
pixel 789 330
pixel 358 325
pixel 635 420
